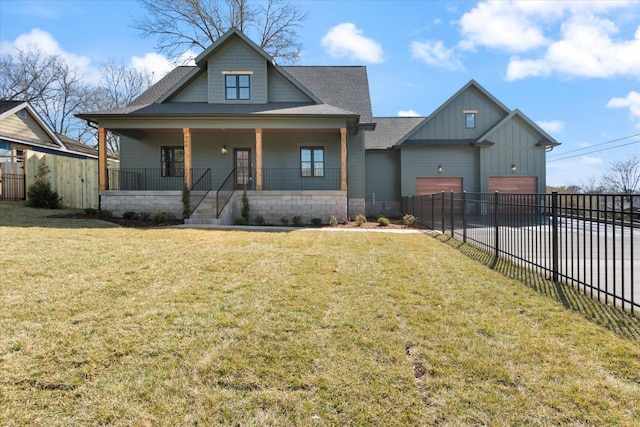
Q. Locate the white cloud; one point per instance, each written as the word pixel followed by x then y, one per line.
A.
pixel 408 113
pixel 500 25
pixel 632 102
pixel 347 40
pixel 158 65
pixel 44 41
pixel 588 44
pixel 586 49
pixel 552 126
pixel 591 161
pixel 435 54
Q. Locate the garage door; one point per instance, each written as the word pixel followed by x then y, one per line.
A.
pixel 438 185
pixel 513 184
pixel 518 194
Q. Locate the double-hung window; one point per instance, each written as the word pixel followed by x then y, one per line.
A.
pixel 237 86
pixel 312 161
pixel 172 161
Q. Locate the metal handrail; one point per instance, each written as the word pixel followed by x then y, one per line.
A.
pixel 205 179
pixel 219 206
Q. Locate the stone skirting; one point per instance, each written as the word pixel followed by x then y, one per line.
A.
pixel 276 206
pixel 152 202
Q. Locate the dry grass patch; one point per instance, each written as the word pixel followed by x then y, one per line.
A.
pixel 106 325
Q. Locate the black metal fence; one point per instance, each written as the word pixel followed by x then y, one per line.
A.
pixel 12 187
pixel 591 241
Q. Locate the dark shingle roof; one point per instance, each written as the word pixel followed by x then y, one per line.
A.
pixel 390 130
pixel 162 86
pixel 6 105
pixel 343 87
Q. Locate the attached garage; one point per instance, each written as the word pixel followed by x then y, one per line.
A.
pixel 519 198
pixel 513 184
pixel 437 185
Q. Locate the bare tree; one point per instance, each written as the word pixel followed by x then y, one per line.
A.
pixel 623 176
pixel 183 24
pixel 119 86
pixel 52 87
pixel 57 91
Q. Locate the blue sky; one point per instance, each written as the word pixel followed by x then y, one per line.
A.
pixel 572 67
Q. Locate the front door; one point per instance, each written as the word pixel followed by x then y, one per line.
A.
pixel 242 159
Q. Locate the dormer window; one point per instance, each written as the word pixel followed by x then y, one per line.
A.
pixel 470 119
pixel 237 86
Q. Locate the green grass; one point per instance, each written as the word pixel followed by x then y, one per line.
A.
pixel 107 325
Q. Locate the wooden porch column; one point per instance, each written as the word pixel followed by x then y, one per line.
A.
pixel 343 159
pixel 258 159
pixel 103 183
pixel 187 157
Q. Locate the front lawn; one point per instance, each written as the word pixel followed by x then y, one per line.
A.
pixel 107 325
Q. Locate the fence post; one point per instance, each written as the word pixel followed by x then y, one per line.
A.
pixel 495 223
pixel 442 211
pixel 464 216
pixel 451 214
pixel 433 212
pixel 554 235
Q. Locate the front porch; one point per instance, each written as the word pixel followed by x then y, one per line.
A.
pixel 271 165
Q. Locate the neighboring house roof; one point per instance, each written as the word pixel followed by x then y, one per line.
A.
pixel 55 142
pixel 390 130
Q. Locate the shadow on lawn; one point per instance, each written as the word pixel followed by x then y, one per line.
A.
pixel 613 318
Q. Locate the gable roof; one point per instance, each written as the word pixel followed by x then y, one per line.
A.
pixel 333 91
pixel 390 130
pixel 546 139
pixel 471 84
pixel 59 142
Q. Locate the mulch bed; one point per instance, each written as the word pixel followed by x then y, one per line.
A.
pixel 150 223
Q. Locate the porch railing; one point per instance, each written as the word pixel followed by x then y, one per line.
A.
pixel 148 179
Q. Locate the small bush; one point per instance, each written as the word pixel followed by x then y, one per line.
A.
pixel 40 194
pixel 129 215
pixel 105 214
pixel 260 220
pixel 409 220
pixel 240 221
pixel 383 221
pixel 245 206
pixel 91 211
pixel 333 221
pixel 316 221
pixel 161 218
pixel 361 219
pixel 297 220
pixel 144 215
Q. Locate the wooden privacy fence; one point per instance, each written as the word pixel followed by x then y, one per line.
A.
pixel 75 180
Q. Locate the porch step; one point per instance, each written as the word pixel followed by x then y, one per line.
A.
pixel 206 212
